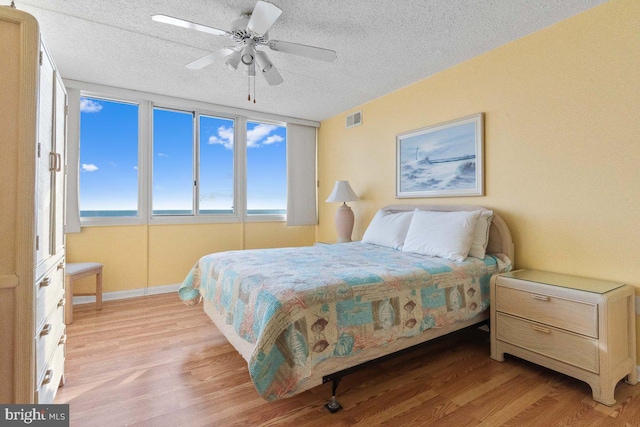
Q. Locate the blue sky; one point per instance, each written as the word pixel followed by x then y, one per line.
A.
pixel 108 158
pixel 108 155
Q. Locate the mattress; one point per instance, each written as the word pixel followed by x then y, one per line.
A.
pixel 291 312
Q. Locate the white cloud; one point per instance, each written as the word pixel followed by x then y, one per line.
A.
pixel 224 137
pixel 273 139
pixel 89 167
pixel 89 106
pixel 163 155
pixel 135 168
pixel 255 136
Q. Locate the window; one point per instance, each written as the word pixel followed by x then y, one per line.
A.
pixel 108 158
pixel 266 169
pixel 173 182
pixel 170 163
pixel 216 165
pixel 177 188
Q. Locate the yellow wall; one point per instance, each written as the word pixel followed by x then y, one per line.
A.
pixel 562 142
pixel 136 257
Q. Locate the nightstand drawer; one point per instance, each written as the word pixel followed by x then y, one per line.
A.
pixel 551 342
pixel 575 316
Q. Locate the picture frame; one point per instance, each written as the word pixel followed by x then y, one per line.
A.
pixel 443 160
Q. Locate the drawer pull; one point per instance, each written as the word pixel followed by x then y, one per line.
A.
pixel 541 329
pixel 62 302
pixel 45 282
pixel 48 376
pixel 60 266
pixel 46 330
pixel 63 339
pixel 541 297
pixel 52 162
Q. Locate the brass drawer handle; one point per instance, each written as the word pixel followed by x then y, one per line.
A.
pixel 48 376
pixel 541 297
pixel 45 282
pixel 46 330
pixel 63 339
pixel 541 329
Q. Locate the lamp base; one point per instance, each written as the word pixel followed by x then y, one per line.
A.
pixel 344 223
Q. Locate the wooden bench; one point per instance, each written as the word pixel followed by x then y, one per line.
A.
pixel 77 271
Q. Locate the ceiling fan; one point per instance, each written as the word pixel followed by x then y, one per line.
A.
pixel 249 32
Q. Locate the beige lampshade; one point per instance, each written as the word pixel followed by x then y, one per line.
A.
pixel 342 192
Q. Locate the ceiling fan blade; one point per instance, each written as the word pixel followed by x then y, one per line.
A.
pixel 188 24
pixel 263 17
pixel 272 76
pixel 209 59
pixel 303 50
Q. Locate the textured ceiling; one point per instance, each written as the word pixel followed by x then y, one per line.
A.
pixel 382 45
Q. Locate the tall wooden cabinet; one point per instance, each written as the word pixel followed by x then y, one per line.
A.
pixel 32 190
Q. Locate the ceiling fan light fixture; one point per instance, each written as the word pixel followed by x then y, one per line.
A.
pixel 263 61
pixel 248 55
pixel 233 59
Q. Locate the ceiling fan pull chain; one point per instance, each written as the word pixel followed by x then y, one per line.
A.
pixel 254 89
pixel 249 94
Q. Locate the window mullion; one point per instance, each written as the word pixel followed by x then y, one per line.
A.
pixel 240 172
pixel 145 159
pixel 196 164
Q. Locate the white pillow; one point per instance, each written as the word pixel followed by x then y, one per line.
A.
pixel 441 234
pixel 388 229
pixel 481 235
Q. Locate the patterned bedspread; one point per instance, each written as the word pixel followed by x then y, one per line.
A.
pixel 299 306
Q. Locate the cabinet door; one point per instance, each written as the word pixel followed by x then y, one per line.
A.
pixel 60 132
pixel 46 158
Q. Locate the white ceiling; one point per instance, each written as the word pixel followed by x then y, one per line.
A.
pixel 382 45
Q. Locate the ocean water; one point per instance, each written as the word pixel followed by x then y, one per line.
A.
pixel 133 213
pixel 420 175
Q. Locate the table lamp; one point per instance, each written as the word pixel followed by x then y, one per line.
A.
pixel 342 192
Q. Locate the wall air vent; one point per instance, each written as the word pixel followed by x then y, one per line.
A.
pixel 354 119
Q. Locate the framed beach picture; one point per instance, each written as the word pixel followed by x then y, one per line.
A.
pixel 444 160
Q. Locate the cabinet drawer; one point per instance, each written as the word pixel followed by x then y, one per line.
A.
pixel 575 316
pixel 555 343
pixel 49 383
pixel 49 290
pixel 49 337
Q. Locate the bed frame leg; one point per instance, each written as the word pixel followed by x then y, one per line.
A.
pixel 333 405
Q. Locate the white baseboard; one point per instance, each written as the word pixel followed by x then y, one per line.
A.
pixel 140 292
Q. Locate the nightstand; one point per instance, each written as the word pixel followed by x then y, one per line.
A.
pixel 584 328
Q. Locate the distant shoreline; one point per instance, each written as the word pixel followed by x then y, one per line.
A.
pixel 134 213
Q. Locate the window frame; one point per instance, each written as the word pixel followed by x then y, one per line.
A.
pixel 146 103
pixel 142 214
pixel 260 217
pixel 196 218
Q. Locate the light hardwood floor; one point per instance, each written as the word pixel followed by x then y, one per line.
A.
pixel 153 361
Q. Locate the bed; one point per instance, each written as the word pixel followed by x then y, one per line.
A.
pixel 299 315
